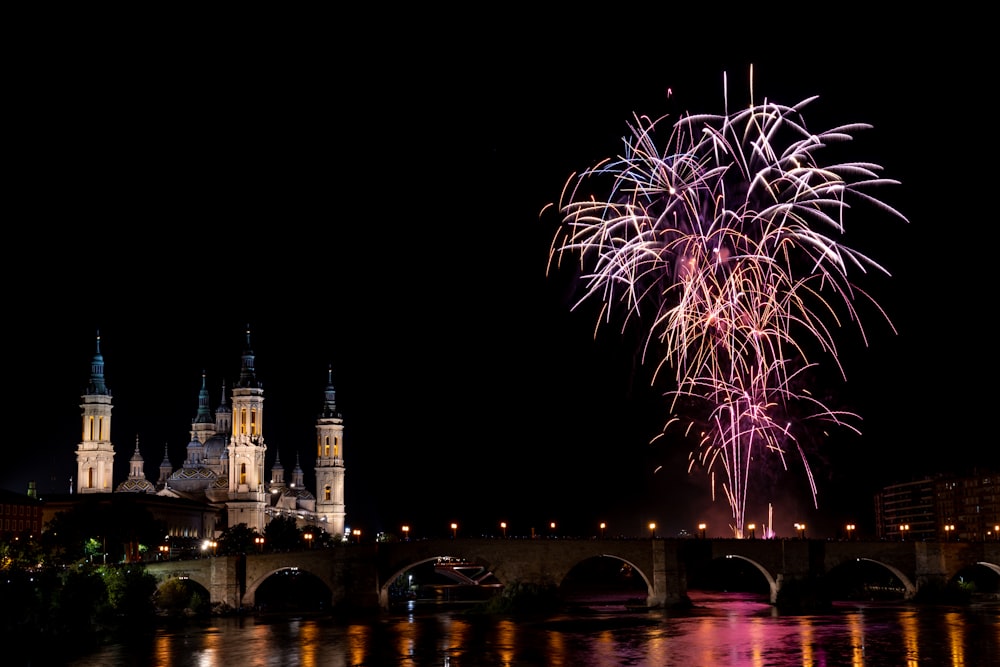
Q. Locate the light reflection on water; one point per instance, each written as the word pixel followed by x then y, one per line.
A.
pixel 722 629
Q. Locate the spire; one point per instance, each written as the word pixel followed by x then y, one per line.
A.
pixel 136 456
pixel 224 404
pixel 329 396
pixel 298 477
pixel 248 378
pixel 96 385
pixel 204 415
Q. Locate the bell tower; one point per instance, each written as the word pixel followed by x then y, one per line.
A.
pixel 246 449
pixel 95 455
pixel 330 462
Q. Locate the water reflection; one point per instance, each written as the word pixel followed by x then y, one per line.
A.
pixel 721 629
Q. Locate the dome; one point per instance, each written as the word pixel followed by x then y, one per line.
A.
pixel 193 473
pixel 133 485
pixel 303 494
pixel 215 448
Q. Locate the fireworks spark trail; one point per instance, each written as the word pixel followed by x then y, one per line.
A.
pixel 725 246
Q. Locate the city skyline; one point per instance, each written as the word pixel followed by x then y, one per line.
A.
pixel 407 253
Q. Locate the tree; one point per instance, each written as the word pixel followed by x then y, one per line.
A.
pixel 236 540
pixel 282 534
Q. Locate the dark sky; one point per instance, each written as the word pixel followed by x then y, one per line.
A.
pixel 371 201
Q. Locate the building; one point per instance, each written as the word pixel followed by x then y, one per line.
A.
pixel 222 481
pixel 944 508
pixel 906 511
pixel 20 515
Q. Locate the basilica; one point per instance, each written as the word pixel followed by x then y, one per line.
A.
pixel 223 477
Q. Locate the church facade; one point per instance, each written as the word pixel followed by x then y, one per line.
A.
pixel 224 467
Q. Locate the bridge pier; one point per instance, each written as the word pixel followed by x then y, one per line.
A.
pixel 669 586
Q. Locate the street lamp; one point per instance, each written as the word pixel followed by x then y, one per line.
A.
pixel 752 527
pixel 652 529
pixel 259 541
pixel 948 530
pixel 357 534
pixel 164 552
pixel 603 526
pixel 503 527
pixel 850 531
pixel 406 533
pixel 801 527
pixel 702 527
pixel 454 530
pixel 552 528
pixel 902 531
pixel 308 537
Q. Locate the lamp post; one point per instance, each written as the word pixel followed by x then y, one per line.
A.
pixel 652 529
pixel 752 527
pixel 164 552
pixel 406 533
pixel 702 527
pixel 308 537
pixel 454 531
pixel 850 531
pixel 503 527
pixel 259 541
pixel 552 529
pixel 357 534
pixel 902 531
pixel 603 526
pixel 948 530
pixel 801 528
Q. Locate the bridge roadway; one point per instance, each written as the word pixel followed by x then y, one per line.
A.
pixel 359 576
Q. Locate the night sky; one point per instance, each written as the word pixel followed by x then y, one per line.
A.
pixel 373 205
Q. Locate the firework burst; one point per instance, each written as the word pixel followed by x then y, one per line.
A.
pixel 725 246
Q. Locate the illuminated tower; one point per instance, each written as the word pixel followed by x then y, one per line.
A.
pixel 95 455
pixel 246 449
pixel 330 462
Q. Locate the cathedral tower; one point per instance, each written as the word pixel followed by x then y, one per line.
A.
pixel 330 462
pixel 246 449
pixel 95 455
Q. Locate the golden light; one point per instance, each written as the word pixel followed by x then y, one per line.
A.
pixel 503 527
pixel 454 530
pixel 406 533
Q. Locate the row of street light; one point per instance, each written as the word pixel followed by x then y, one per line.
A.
pixel 355 533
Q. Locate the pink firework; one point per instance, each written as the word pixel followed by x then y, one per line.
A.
pixel 725 246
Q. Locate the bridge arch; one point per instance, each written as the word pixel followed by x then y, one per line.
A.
pixel 909 588
pixel 544 563
pixel 303 588
pixel 171 599
pixel 773 584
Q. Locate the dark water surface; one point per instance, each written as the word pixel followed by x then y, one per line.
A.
pixel 721 629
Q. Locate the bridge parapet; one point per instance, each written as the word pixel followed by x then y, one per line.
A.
pixel 360 575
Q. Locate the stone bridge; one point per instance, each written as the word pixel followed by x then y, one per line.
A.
pixel 359 576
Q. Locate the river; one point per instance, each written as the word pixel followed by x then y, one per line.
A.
pixel 719 629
